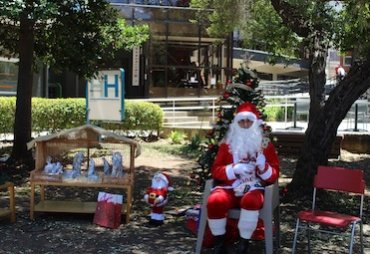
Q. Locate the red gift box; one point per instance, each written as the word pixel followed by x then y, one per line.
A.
pixel 108 210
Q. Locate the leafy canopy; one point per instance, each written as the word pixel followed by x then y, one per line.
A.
pixel 353 31
pixel 74 34
pixel 343 24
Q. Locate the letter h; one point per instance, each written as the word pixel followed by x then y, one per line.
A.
pixel 114 85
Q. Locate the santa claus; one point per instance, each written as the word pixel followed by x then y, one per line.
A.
pixel 156 197
pixel 244 164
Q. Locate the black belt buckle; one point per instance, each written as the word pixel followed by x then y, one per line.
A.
pixel 247 188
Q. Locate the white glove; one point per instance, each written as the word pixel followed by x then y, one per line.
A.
pixel 261 161
pixel 243 168
pixel 158 200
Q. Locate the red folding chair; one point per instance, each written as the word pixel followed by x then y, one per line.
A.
pixel 349 181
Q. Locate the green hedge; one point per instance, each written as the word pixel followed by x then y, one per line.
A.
pixel 7 112
pixel 56 114
pixel 277 113
pixel 138 116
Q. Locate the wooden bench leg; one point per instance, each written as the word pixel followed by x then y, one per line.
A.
pixel 32 201
pixel 12 202
pixel 128 206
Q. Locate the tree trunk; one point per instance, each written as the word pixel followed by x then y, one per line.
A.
pixel 323 125
pixel 22 123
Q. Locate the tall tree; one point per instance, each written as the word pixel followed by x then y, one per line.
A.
pixel 318 25
pixel 80 36
pixel 322 26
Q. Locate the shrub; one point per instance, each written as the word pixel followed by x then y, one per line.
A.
pixel 195 142
pixel 277 113
pixel 52 115
pixel 177 137
pixel 139 115
pixel 7 112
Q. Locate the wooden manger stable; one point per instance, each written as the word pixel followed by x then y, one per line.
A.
pixel 86 137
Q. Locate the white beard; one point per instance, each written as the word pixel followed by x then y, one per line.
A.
pixel 244 143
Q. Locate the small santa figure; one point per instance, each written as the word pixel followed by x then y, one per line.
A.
pixel 156 197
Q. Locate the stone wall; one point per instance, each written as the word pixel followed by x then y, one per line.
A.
pixel 356 142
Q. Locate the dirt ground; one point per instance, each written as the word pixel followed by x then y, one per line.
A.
pixel 72 233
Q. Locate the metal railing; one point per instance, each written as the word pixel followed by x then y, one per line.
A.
pixel 287 102
pixel 176 104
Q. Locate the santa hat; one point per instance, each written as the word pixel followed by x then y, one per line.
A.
pixel 248 111
pixel 166 179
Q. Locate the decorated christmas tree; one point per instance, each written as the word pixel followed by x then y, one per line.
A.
pixel 243 88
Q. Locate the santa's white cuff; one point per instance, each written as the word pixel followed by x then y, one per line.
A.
pixel 267 174
pixel 230 172
pixel 247 222
pixel 157 216
pixel 159 199
pixel 217 226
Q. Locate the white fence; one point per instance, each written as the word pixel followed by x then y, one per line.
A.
pixel 210 104
pixel 299 103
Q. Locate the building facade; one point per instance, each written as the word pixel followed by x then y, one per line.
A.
pixel 179 60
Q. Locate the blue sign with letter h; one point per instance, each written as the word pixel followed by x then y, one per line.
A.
pixel 107 85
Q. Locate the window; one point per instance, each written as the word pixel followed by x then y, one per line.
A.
pixel 347 61
pixel 8 77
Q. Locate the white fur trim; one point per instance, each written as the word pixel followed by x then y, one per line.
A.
pixel 159 199
pixel 247 223
pixel 245 115
pixel 157 216
pixel 267 174
pixel 230 172
pixel 217 226
pixel 249 215
pixel 162 203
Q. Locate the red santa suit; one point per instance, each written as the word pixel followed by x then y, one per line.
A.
pixel 156 197
pixel 259 167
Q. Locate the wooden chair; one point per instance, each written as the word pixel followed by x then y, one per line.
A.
pixel 269 213
pixel 10 210
pixel 350 181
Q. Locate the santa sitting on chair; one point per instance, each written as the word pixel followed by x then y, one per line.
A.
pixel 246 162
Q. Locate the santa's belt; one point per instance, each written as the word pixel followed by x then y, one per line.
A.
pixel 252 186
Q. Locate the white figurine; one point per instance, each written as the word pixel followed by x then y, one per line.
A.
pixel 53 168
pixel 106 167
pixel 58 168
pixel 117 168
pixel 91 172
pixel 77 162
pixel 48 169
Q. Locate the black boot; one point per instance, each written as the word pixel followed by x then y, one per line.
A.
pixel 155 223
pixel 219 247
pixel 243 246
